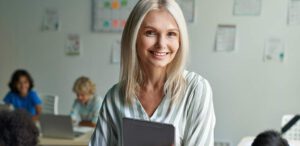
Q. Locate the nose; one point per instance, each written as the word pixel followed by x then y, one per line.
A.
pixel 79 97
pixel 161 42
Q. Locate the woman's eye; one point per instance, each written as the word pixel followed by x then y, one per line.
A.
pixel 172 34
pixel 150 33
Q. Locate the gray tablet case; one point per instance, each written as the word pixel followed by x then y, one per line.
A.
pixel 146 133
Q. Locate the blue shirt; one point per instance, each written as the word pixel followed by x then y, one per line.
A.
pixel 28 102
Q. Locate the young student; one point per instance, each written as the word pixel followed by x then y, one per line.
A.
pixel 22 95
pixel 154 85
pixel 86 106
pixel 17 129
pixel 269 138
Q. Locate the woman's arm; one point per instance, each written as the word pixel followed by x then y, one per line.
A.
pixel 105 133
pixel 201 120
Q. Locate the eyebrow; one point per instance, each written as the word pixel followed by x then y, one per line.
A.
pixel 151 27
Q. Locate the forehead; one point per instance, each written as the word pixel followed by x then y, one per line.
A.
pixel 23 78
pixel 160 18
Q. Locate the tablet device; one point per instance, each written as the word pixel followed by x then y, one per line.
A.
pixel 146 133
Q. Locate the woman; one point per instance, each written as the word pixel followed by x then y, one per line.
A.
pixel 22 95
pixel 153 84
pixel 86 107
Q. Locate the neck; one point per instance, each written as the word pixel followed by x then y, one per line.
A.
pixel 154 78
pixel 23 94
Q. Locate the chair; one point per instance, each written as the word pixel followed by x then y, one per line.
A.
pixel 49 104
pixel 294 132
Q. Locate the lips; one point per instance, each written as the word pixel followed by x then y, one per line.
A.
pixel 159 53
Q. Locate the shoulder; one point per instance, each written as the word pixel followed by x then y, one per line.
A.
pixel 32 93
pixel 10 95
pixel 97 99
pixel 114 91
pixel 198 88
pixel 34 97
pixel 194 80
pixel 113 97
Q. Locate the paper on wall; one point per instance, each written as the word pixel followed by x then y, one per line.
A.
pixel 51 20
pixel 294 12
pixel 73 45
pixel 226 38
pixel 247 7
pixel 116 52
pixel 274 49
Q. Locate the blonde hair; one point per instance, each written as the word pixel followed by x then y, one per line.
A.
pixel 131 73
pixel 84 85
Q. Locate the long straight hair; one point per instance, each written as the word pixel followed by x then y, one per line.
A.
pixel 131 73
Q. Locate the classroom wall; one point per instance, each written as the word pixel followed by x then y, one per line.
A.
pixel 249 95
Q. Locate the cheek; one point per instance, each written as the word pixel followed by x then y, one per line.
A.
pixel 141 47
pixel 26 85
pixel 175 46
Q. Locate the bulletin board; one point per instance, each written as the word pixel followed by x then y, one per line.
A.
pixel 111 15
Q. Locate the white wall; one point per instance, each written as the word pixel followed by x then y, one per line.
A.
pixel 249 95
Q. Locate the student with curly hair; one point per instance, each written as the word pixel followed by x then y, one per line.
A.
pixel 22 95
pixel 269 138
pixel 17 129
pixel 86 106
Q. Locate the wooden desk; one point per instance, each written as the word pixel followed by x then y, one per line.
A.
pixel 247 141
pixel 79 141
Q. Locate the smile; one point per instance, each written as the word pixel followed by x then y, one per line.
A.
pixel 159 53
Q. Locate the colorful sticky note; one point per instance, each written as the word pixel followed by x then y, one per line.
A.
pixel 124 3
pixel 106 23
pixel 115 23
pixel 115 5
pixel 107 4
pixel 123 23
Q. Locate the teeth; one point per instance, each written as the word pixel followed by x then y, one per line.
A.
pixel 160 53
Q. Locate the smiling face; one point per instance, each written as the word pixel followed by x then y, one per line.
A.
pixel 23 86
pixel 158 39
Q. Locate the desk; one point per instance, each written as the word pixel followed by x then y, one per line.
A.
pixel 247 141
pixel 83 140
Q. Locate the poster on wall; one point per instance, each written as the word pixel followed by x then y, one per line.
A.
pixel 73 45
pixel 294 12
pixel 247 7
pixel 189 9
pixel 116 52
pixel 225 38
pixel 111 15
pixel 51 20
pixel 274 49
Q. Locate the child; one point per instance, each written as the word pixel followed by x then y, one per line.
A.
pixel 269 138
pixel 17 129
pixel 86 106
pixel 21 94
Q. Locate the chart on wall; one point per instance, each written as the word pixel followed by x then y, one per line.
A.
pixel 111 15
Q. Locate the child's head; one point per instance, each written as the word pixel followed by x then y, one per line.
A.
pixel 17 129
pixel 21 82
pixel 269 138
pixel 84 88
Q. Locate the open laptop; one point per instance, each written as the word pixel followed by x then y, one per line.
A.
pixel 146 133
pixel 58 126
pixel 4 106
